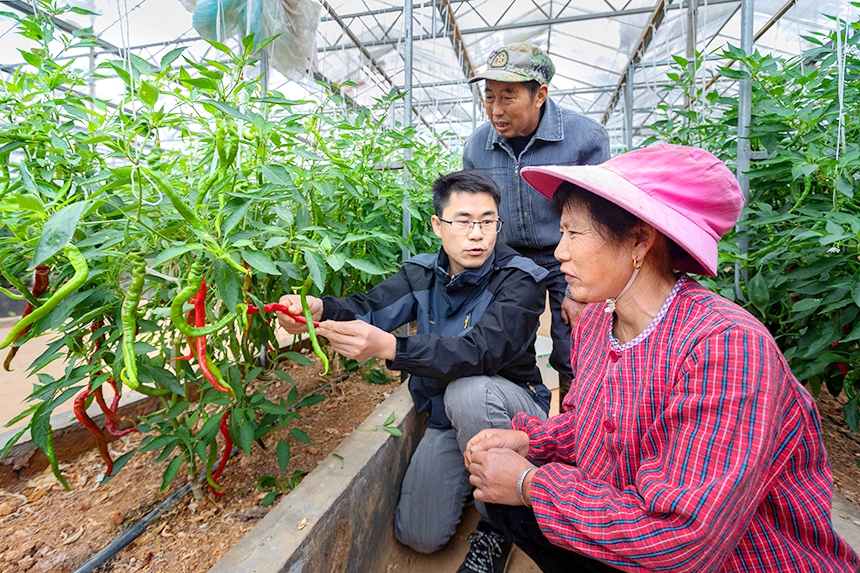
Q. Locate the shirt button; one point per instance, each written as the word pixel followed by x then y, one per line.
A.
pixel 608 426
pixel 614 356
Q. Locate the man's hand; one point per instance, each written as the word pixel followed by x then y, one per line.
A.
pixel 570 310
pixel 358 340
pixel 495 473
pixel 294 302
pixel 494 438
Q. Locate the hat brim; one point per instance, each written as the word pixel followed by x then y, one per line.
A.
pixel 500 75
pixel 605 183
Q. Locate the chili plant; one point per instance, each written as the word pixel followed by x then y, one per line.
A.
pixel 170 224
pixel 802 221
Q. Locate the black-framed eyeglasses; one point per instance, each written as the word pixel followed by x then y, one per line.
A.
pixel 488 226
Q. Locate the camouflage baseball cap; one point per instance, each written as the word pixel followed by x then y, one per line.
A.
pixel 518 63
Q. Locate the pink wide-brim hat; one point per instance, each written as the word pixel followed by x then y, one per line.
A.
pixel 686 193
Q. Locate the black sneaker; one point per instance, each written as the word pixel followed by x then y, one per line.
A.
pixel 489 552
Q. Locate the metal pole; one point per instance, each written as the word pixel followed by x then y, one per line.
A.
pixel 690 52
pixel 628 109
pixel 408 21
pixel 744 118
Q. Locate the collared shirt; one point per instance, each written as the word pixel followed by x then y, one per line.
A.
pixel 694 449
pixel 563 137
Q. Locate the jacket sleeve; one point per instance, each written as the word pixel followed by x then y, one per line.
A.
pixel 707 462
pixel 597 149
pixel 468 161
pixel 387 306
pixel 502 335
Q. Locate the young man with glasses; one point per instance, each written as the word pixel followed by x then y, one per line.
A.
pixel 471 363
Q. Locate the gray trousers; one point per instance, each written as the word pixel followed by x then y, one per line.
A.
pixel 436 486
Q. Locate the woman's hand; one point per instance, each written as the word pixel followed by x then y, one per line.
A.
pixel 495 473
pixel 490 438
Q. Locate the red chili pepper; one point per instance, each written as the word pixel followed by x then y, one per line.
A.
pixel 190 318
pixel 40 285
pixel 80 410
pixel 210 371
pixel 278 307
pixel 842 368
pixel 228 446
pixel 111 416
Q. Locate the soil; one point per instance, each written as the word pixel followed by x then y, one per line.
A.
pixel 193 534
pixel 842 446
pixel 46 528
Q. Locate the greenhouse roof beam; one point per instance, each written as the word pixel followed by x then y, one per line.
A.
pixel 453 32
pixel 658 13
pixel 366 53
pixel 521 25
pixel 25 8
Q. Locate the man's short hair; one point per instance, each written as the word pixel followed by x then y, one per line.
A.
pixel 463 181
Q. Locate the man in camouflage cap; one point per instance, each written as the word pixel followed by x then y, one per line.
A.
pixel 527 128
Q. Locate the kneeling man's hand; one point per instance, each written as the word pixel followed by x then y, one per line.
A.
pixel 358 340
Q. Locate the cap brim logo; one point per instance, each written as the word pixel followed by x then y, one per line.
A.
pixel 500 61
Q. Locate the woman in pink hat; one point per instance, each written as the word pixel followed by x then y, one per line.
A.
pixel 685 444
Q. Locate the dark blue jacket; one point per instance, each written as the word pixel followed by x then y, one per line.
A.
pixel 481 322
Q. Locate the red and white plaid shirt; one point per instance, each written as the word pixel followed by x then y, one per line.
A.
pixel 694 449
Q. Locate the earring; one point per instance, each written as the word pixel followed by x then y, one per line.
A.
pixel 637 264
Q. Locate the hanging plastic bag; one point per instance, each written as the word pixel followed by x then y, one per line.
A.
pixel 294 22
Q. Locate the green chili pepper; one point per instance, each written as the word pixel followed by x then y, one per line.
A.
pixel 195 278
pixel 312 333
pixel 221 139
pixel 232 142
pixel 178 202
pixel 128 320
pixel 82 271
pixel 52 458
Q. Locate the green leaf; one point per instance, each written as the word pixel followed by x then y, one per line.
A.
pixel 237 209
pixel 58 231
pixel 310 401
pixel 171 253
pixel 148 94
pixel 852 413
pixel 27 180
pixel 316 268
pixel 806 304
pixel 365 266
pixel 170 472
pixel 170 57
pixel 758 292
pixel 336 261
pixel 299 435
pixel 283 452
pixel 226 109
pixel 388 421
pixel 393 431
pixel 246 434
pixel 228 284
pixel 855 288
pixel 844 185
pixel 260 261
pixel 297 358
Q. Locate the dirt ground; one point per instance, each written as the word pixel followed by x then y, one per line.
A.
pixel 193 534
pixel 843 447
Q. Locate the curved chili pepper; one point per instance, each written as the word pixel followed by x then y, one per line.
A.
pixel 228 446
pixel 278 307
pixel 40 285
pixel 309 322
pixel 210 371
pixel 80 410
pixel 195 278
pixel 189 318
pixel 110 421
pixel 128 320
pixel 82 271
